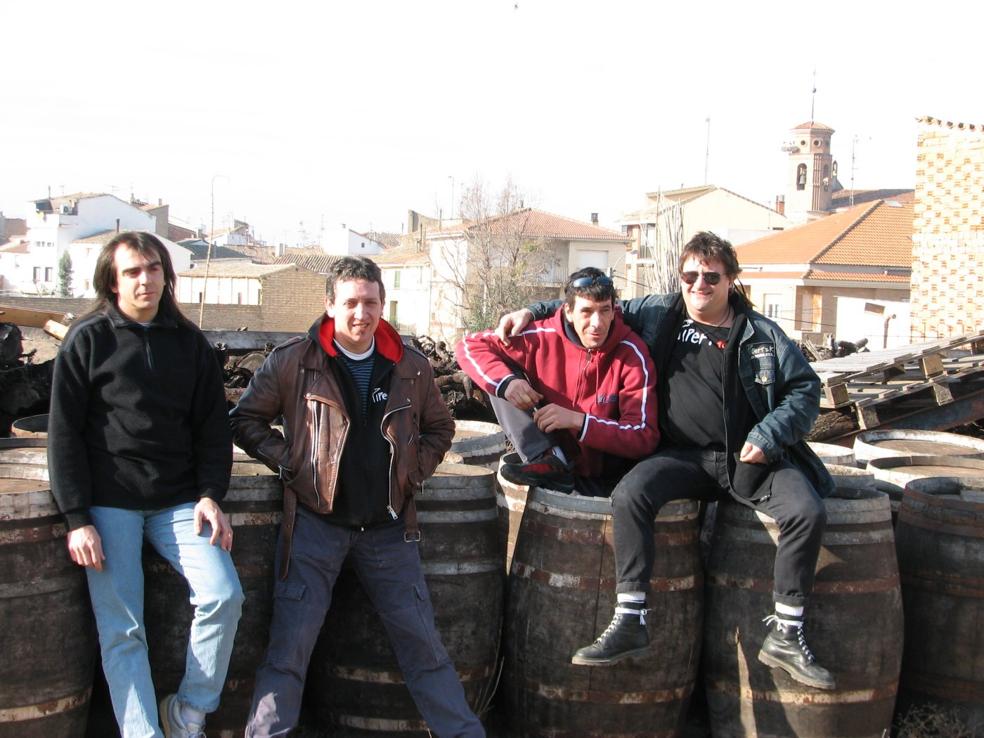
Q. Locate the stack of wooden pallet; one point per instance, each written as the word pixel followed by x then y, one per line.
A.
pixel 871 381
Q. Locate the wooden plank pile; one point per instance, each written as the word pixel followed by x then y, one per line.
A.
pixel 867 382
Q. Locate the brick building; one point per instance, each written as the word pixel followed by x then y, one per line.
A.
pixel 948 240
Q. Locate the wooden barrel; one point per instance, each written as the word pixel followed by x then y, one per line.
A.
pixel 478 443
pixel 24 451
pixel 49 637
pixel 853 624
pixel 878 444
pixel 940 545
pixel 893 473
pixel 562 596
pixel 32 426
pixel 510 500
pixel 254 505
pixel 355 686
pixel 830 453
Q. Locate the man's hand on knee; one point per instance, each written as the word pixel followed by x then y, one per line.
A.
pixel 208 510
pixel 85 547
pixel 522 395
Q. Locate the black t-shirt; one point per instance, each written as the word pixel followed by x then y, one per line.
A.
pixel 693 404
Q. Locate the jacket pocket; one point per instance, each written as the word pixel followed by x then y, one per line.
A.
pixel 749 480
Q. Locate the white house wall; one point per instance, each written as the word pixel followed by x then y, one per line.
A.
pixel 885 323
pixel 221 290
pixel 721 212
pixel 412 298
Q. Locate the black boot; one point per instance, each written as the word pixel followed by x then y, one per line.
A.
pixel 626 636
pixel 785 648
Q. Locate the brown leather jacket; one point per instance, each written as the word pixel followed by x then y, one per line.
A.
pixel 296 382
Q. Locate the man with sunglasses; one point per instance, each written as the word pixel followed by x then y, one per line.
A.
pixel 736 400
pixel 575 392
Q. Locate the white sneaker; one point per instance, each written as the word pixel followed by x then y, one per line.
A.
pixel 174 726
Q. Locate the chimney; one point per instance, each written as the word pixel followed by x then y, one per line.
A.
pixel 781 204
pixel 594 218
pixel 160 201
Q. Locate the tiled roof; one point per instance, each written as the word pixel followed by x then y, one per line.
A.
pixel 230 269
pixel 842 198
pixel 16 247
pixel 199 250
pixel 880 277
pixel 752 274
pixel 319 262
pixel 814 125
pixel 869 234
pixel 402 256
pixel 685 195
pixel 540 224
pixel 101 238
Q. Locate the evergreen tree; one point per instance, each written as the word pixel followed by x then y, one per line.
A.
pixel 65 276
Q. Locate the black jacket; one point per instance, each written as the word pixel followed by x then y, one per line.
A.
pixel 138 417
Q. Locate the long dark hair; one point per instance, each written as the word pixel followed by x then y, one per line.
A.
pixel 148 246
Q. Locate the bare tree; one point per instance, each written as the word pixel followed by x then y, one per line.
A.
pixel 500 261
pixel 662 246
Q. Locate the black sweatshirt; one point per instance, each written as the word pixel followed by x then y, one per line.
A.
pixel 138 417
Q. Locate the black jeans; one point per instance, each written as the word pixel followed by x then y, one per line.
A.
pixel 696 474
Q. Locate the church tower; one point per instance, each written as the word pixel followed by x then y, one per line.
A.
pixel 811 173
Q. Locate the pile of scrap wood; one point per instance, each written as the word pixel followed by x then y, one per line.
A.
pixel 242 352
pixel 25 376
pixel 462 397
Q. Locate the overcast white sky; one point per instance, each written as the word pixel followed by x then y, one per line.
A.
pixel 356 111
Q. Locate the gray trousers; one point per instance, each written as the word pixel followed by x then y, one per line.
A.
pixel 389 569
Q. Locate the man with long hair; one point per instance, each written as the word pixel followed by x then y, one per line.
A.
pixel 139 449
pixel 736 398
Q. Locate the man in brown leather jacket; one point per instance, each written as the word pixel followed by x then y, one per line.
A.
pixel 364 425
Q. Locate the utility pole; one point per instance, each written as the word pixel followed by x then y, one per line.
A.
pixel 208 254
pixel 707 148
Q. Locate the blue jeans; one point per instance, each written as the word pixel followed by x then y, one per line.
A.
pixel 117 594
pixel 389 569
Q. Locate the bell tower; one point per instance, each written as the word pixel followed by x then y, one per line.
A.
pixel 811 173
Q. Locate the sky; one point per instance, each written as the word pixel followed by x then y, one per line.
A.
pixel 298 116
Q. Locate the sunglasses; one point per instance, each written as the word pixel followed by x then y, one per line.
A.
pixel 582 282
pixel 711 278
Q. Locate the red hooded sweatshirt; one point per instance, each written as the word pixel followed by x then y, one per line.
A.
pixel 614 385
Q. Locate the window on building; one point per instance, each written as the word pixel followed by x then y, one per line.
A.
pixel 394 312
pixel 591 258
pixel 49 274
pixel 37 274
pixel 396 281
pixel 801 177
pixel 773 306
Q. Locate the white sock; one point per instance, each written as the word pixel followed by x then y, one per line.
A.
pixel 190 715
pixel 789 615
pixel 558 452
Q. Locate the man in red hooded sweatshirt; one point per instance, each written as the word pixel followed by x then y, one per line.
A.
pixel 575 392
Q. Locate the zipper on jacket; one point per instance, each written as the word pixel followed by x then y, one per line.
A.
pixel 147 352
pixel 389 508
